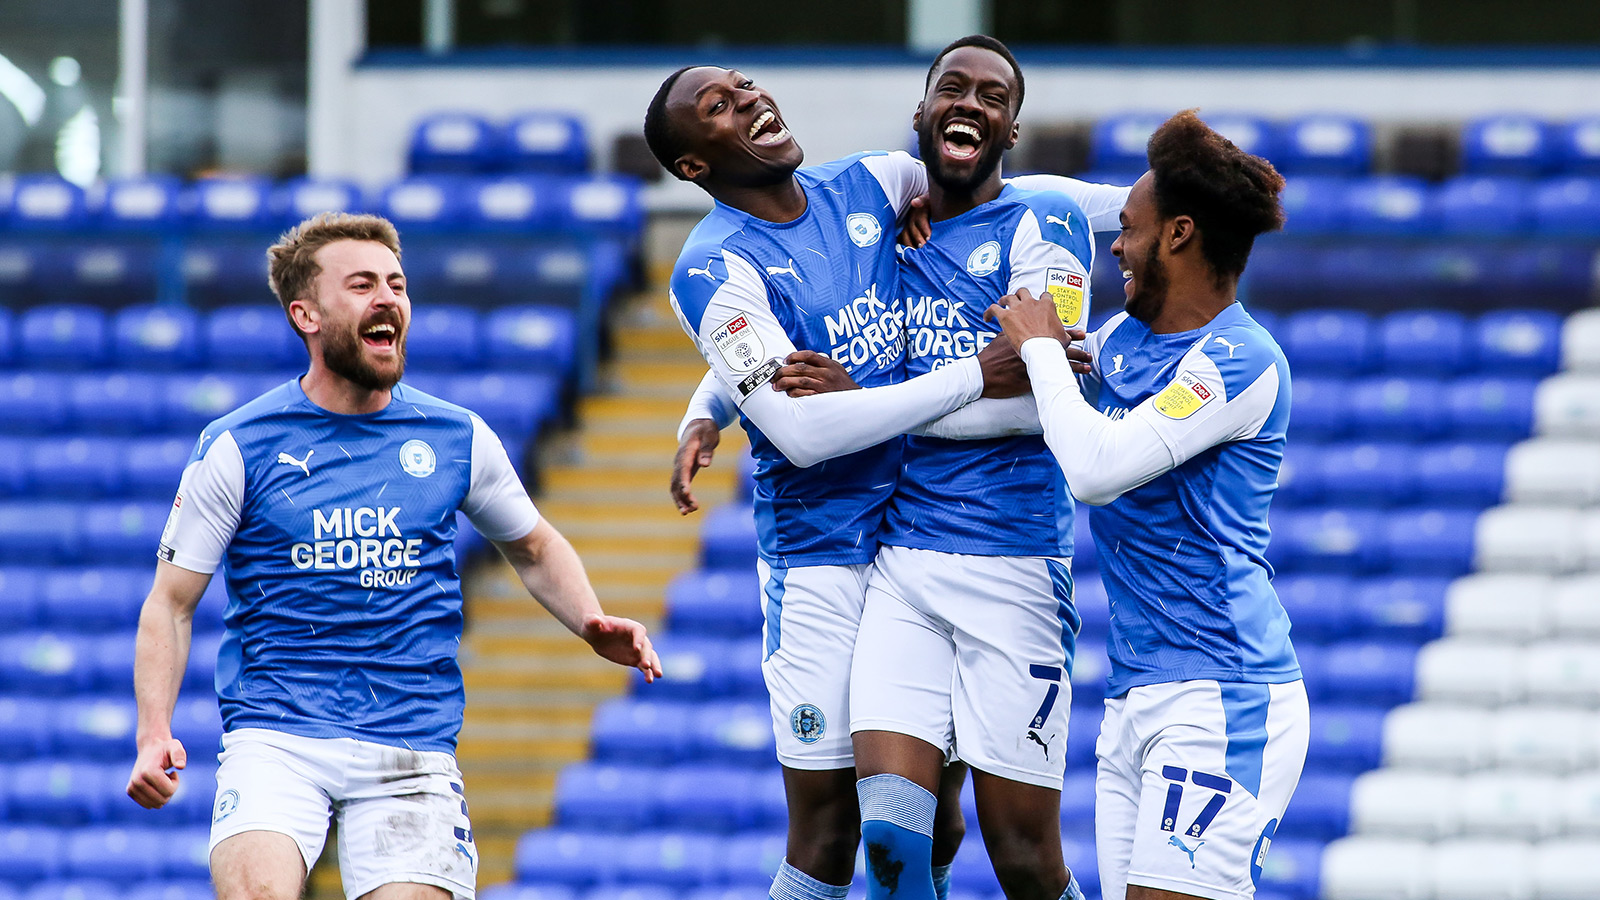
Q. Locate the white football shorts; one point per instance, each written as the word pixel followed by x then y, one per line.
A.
pixel 402 814
pixel 1193 779
pixel 971 654
pixel 811 617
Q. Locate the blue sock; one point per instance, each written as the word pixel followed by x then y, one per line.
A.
pixel 793 884
pixel 941 882
pixel 1073 891
pixel 897 830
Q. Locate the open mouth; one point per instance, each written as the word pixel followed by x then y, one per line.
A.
pixel 380 336
pixel 962 140
pixel 766 130
pixel 1127 281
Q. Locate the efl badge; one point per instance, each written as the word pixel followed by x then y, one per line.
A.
pixel 739 344
pixel 1066 289
pixel 1184 396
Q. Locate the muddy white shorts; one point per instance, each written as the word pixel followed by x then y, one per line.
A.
pixel 971 654
pixel 1193 779
pixel 402 814
pixel 811 617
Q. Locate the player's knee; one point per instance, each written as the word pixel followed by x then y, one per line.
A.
pixel 1022 861
pixel 949 830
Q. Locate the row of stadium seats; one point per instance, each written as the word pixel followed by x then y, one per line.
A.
pixel 192 888
pixel 1468 206
pixel 1342 145
pixel 1421 342
pixel 1367 867
pixel 89 599
pixel 111 853
pixel 163 204
pixel 95 655
pixel 85 729
pixel 530 142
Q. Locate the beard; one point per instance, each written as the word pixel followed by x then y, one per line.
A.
pixel 987 162
pixel 1151 296
pixel 345 356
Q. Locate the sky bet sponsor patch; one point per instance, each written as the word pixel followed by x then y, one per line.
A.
pixel 1066 289
pixel 739 344
pixel 1184 396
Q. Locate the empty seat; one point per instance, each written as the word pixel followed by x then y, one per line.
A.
pixel 29 852
pixel 1367 473
pixel 547 142
pixel 1330 341
pixel 40 532
pixel 708 798
pixel 1470 671
pixel 1333 541
pixel 229 203
pixel 1376 868
pixel 98 728
pixel 633 892
pixel 75 467
pixel 1567 207
pixel 1507 145
pixel 1346 738
pixel 147 203
pixel 1312 206
pixel 454 142
pixel 185 852
pixel 1517 342
pixel 561 856
pixel 156 337
pixel 190 402
pixel 1464 473
pixel 124 532
pixel 728 538
pixel 1563 672
pixel 46 203
pixel 1566 406
pixel 252 337
pixel 25 730
pixel 714 602
pixel 1399 608
pixel 1391 205
pixel 1430 541
pixel 513 405
pixel 1544 739
pixel 1580 341
pixel 192 803
pixel 118 402
pixel 1424 342
pixel 751 860
pixel 735 733
pixel 74 889
pixel 1321 408
pixel 197 722
pixel 1484 206
pixel 422 205
pixel 99 598
pixel 621 727
pixel 1489 407
pixel 62 336
pixel 1565 870
pixel 1406 803
pixel 1397 408
pixel 1292 868
pixel 1300 474
pixel 59 793
pixel 1482 869
pixel 516 205
pixel 1326 145
pixel 190 889
pixel 1554 471
pixel 1320 807
pixel 302 198
pixel 531 337
pixel 33 403
pixel 1574 606
pixel 706 668
pixel 1438 737
pixel 1536 539
pixel 1475 606
pixel 1369 672
pixel 1118 142
pixel 1510 805
pixel 605 797
pixel 1251 134
pixel 153 466
pixel 35 663
pixel 116 854
pixel 444 337
pixel 515 891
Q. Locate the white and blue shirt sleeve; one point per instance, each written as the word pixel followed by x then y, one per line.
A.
pixel 205 513
pixel 1101 203
pixel 497 504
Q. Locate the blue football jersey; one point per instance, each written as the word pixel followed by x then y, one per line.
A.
pixel 1002 496
pixel 748 290
pixel 337 533
pixel 1183 555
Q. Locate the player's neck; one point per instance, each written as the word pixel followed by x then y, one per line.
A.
pixel 337 394
pixel 780 202
pixel 1193 300
pixel 947 203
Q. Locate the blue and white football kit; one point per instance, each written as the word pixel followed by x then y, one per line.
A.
pixel 337 676
pixel 1206 728
pixel 967 637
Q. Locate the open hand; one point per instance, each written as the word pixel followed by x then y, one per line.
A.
pixel 695 451
pixel 807 372
pixel 151 785
pixel 624 642
pixel 1024 318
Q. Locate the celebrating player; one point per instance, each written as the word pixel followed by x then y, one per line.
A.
pixel 332 500
pixel 1181 440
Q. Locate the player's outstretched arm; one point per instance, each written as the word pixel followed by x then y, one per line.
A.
pixel 552 572
pixel 161 653
pixel 710 410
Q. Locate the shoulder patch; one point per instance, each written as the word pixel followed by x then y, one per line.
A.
pixel 736 340
pixel 1065 288
pixel 1185 396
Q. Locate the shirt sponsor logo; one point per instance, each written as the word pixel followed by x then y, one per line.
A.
pixel 366 538
pixel 864 229
pixel 1065 289
pixel 867 329
pixel 759 377
pixel 1184 396
pixel 417 458
pixel 944 330
pixel 985 260
pixel 740 346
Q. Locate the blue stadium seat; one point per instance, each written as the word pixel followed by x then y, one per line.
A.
pixel 47 203
pixel 59 793
pixel 187 854
pixel 114 853
pixel 124 532
pixel 547 142
pixel 769 799
pixel 1318 605
pixel 33 663
pixel 1090 666
pixel 201 672
pixel 708 798
pixel 1567 207
pixel 30 852
pixel 208 615
pixel 94 599
pixel 444 337
pixel 476 274
pixel 737 733
pixel 1489 408
pixel 108 273
pixel 75 467
pixel 1293 867
pixel 1345 738
pixel 1518 342
pixel 191 889
pixel 154 465
pixel 156 337
pixel 1397 408
pixel 515 204
pixel 223 267
pixel 1252 134
pixel 751 860
pixel 14 467
pixel 1118 142
pixel 1321 408
pixel 1424 342
pixel 728 538
pixel 62 336
pixel 197 722
pixel 1331 541
pixel 40 532
pixel 455 143
pixel 1460 474
pixel 1314 206
pixel 148 203
pixel 696 668
pixel 513 405
pixel 682 859
pixel 112 662
pixel 609 205
pixel 8 343
pixel 1329 341
pixel 1380 474
pixel 1484 206
pixel 1300 474
pixel 531 337
pixel 25 731
pixel 116 402
pixel 714 603
pixel 633 892
pixel 972 870
pixel 74 889
pixel 190 402
pixel 606 797
pixel 228 204
pixel 562 856
pixel 515 891
pixel 100 728
pixel 1089 596
pixel 1077 804
pixel 1083 726
pixel 1507 145
pixel 1325 145
pixel 301 198
pixel 1428 541
pixel 255 336
pixel 628 730
pixel 19 596
pixel 1374 672
pixel 1578 146
pixel 423 205
pixel 1401 609
pixel 1390 206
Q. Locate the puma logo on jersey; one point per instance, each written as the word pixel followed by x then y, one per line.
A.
pixel 1190 852
pixel 1231 347
pixel 1116 364
pixel 786 270
pixel 1057 220
pixel 1044 744
pixel 692 272
pixel 303 465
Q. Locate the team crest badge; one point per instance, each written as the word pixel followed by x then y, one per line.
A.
pixel 227 803
pixel 807 723
pixel 864 229
pixel 985 260
pixel 417 459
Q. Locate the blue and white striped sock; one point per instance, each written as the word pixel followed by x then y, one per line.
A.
pixel 941 882
pixel 1073 891
pixel 897 829
pixel 793 884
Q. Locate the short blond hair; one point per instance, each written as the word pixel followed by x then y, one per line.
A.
pixel 291 262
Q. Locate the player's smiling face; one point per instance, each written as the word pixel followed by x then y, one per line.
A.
pixel 966 122
pixel 360 313
pixel 734 133
pixel 1138 250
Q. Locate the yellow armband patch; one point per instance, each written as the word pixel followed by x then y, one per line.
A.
pixel 1184 396
pixel 1065 288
